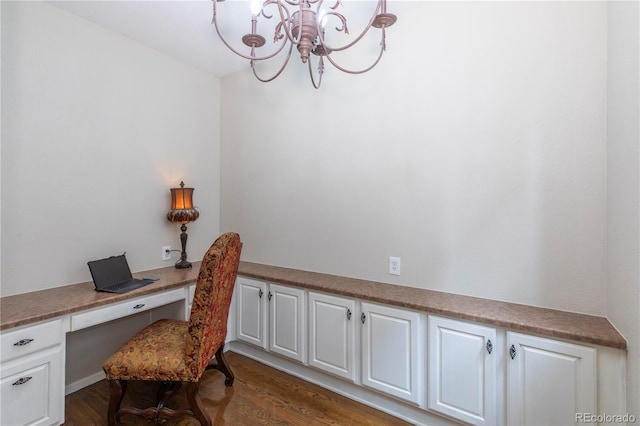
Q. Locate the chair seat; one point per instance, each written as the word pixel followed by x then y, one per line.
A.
pixel 158 352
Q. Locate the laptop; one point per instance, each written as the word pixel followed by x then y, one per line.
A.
pixel 114 276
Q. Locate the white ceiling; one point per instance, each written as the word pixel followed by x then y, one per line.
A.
pixel 179 28
pixel 183 28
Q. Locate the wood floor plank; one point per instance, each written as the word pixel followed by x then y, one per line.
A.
pixel 260 395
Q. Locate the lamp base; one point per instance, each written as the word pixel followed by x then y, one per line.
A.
pixel 183 264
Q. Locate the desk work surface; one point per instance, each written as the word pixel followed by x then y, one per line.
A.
pixel 45 304
pixel 35 306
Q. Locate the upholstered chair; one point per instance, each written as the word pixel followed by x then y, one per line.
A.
pixel 171 351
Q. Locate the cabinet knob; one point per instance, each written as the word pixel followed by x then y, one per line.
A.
pixel 139 306
pixel 489 346
pixel 349 314
pixel 269 296
pixel 21 381
pixel 512 351
pixel 260 293
pixel 23 342
pixel 363 317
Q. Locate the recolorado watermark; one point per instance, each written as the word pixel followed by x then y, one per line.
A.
pixel 605 418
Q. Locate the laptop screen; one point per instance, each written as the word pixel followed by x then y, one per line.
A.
pixel 109 271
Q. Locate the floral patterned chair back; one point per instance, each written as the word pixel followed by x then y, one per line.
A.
pixel 212 299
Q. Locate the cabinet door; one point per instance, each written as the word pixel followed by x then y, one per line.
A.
pixel 392 358
pixel 332 334
pixel 32 391
pixel 462 370
pixel 251 314
pixel 549 382
pixel 288 322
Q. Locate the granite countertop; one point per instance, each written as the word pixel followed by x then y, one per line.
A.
pixel 45 304
pixel 530 319
pixel 28 308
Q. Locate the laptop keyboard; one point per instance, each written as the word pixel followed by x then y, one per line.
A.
pixel 119 286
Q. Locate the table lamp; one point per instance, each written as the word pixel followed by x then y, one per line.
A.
pixel 182 212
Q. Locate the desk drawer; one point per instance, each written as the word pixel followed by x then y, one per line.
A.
pixel 30 339
pixel 123 309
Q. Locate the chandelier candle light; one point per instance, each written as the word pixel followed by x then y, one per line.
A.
pixel 302 23
pixel 182 212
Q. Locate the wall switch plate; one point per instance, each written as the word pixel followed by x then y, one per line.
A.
pixel 166 252
pixel 394 265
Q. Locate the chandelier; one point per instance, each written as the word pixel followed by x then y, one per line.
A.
pixel 304 24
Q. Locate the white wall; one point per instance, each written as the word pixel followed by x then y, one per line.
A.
pixel 623 156
pixel 95 130
pixel 0 147
pixel 476 152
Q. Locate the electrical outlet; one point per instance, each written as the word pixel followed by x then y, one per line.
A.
pixel 166 252
pixel 394 265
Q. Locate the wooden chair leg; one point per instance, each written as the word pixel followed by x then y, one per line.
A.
pixel 196 404
pixel 118 389
pixel 222 366
pixel 166 391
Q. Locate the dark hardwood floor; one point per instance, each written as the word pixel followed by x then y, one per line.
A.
pixel 260 395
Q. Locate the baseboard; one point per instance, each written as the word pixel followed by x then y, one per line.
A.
pixel 405 411
pixel 84 382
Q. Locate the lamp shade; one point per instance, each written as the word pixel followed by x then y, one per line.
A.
pixel 182 210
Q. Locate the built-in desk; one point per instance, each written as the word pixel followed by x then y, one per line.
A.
pixel 35 328
pixel 29 308
pixel 33 325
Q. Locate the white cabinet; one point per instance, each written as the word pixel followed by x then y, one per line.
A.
pixel 394 357
pixel 287 321
pixel 462 370
pixel 252 311
pixel 548 381
pixel 392 346
pixel 31 375
pixel 272 317
pixel 332 334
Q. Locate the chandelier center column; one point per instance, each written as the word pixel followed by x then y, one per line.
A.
pixel 305 29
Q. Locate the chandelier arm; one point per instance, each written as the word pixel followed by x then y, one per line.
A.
pixel 242 55
pixel 297 2
pixel 267 80
pixel 320 69
pixel 382 49
pixel 357 39
pixel 284 22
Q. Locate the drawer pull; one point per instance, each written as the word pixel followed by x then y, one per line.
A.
pixel 139 306
pixel 21 381
pixel 23 342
